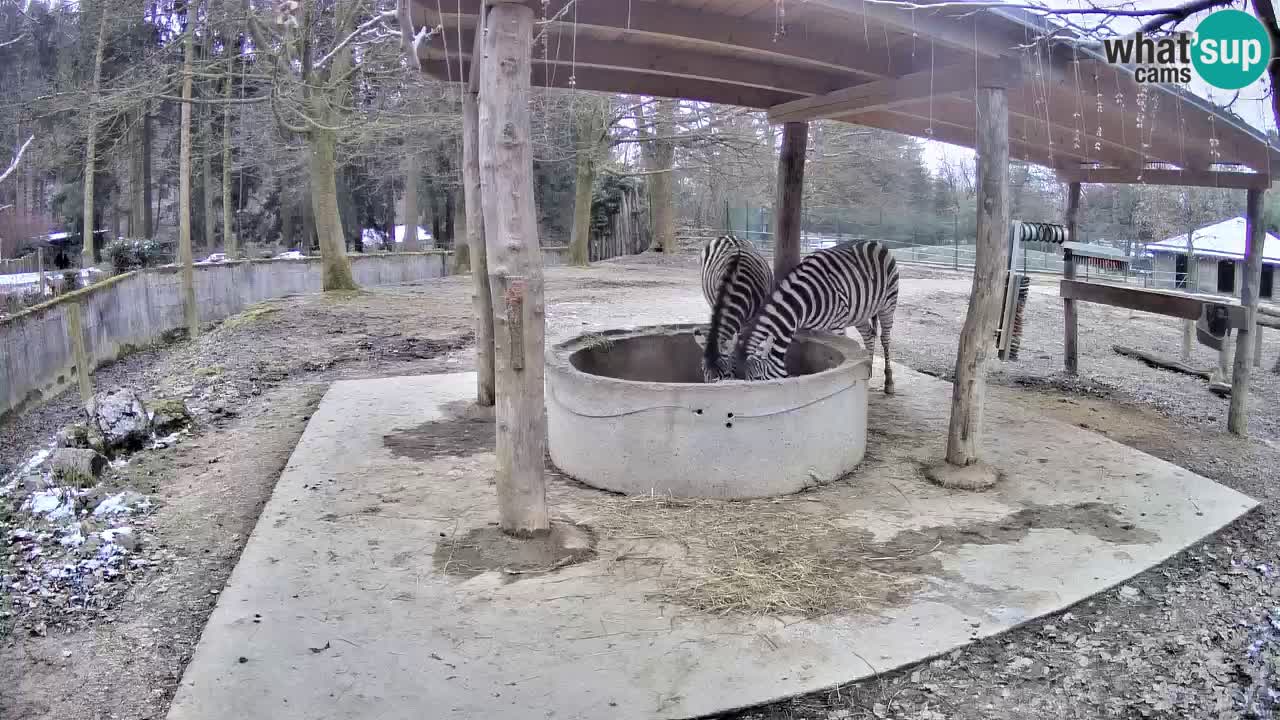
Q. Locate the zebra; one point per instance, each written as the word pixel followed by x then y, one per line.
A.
pixel 853 283
pixel 736 280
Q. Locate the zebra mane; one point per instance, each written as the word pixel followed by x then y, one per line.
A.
pixel 711 352
pixel 744 338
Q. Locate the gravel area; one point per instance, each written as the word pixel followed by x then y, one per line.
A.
pixel 1197 637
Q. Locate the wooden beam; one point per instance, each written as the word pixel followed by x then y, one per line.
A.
pixel 671 24
pixel 1070 353
pixel 881 94
pixel 950 130
pixel 588 51
pixel 964 433
pixel 1159 361
pixel 1152 176
pixel 1145 299
pixel 515 269
pixel 481 299
pixel 634 83
pixel 790 196
pixel 1250 281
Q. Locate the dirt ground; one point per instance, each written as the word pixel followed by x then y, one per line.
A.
pixel 1197 637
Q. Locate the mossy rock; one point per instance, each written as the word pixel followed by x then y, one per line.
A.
pixel 75 435
pixel 251 315
pixel 168 416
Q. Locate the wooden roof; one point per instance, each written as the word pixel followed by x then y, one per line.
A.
pixel 913 72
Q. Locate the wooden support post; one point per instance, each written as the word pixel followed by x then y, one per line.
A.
pixel 481 300
pixel 1192 286
pixel 1257 346
pixel 964 434
pixel 1070 353
pixel 44 282
pixel 75 335
pixel 790 197
pixel 514 267
pixel 1255 233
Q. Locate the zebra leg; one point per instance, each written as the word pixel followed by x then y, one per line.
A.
pixel 886 326
pixel 868 333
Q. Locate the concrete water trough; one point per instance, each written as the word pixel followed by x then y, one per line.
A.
pixel 627 411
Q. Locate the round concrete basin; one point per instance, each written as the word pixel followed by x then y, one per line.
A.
pixel 627 411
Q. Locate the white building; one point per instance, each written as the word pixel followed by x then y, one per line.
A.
pixel 1219 259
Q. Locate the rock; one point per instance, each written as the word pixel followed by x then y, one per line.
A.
pixel 75 435
pixel 1129 592
pixel 122 419
pixel 169 416
pixel 35 482
pixel 122 536
pixel 77 466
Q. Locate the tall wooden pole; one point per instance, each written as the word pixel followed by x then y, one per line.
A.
pixel 481 301
pixel 1255 232
pixel 185 259
pixel 964 434
pixel 1192 283
pixel 1070 352
pixel 790 198
pixel 515 267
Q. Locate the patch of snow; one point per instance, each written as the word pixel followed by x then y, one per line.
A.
pixel 111 535
pixel 166 441
pixel 122 502
pixel 55 504
pixel 71 537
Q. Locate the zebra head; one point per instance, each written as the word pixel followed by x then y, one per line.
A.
pixel 761 354
pixel 718 366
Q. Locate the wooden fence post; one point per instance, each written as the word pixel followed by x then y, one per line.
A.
pixel 1070 351
pixel 514 266
pixel 964 433
pixel 790 195
pixel 1255 233
pixel 75 334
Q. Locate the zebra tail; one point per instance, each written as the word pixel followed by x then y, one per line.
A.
pixel 711 353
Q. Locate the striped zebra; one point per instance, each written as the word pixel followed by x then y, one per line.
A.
pixel 854 283
pixel 736 279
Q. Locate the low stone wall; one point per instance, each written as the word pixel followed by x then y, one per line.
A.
pixel 136 309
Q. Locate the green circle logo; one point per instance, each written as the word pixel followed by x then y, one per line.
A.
pixel 1232 49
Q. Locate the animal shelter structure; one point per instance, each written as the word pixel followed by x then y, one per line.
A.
pixel 1007 83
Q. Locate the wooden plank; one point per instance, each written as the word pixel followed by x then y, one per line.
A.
pixel 964 432
pixel 1153 176
pixel 515 269
pixel 1250 281
pixel 1144 299
pixel 481 299
pixel 1161 361
pixel 880 94
pixel 1071 332
pixel 948 129
pixel 790 197
pixel 79 353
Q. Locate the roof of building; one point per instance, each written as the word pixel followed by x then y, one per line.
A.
pixel 1220 240
pixel 1097 251
pixel 911 69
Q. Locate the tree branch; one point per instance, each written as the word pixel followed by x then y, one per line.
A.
pixel 16 159
pixel 1180 13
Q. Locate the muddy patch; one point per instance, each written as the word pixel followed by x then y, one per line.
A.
pixel 466 430
pixel 1101 520
pixel 488 549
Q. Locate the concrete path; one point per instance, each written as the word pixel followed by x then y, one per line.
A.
pixel 343 605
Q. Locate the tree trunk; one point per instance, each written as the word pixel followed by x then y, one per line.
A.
pixel 324 203
pixel 511 229
pixel 206 178
pixel 409 211
pixel 1070 353
pixel 589 123
pixel 184 194
pixel 964 435
pixel 1250 281
pixel 461 250
pixel 446 241
pixel 138 212
pixel 661 184
pixel 229 240
pixel 91 142
pixel 481 300
pixel 150 217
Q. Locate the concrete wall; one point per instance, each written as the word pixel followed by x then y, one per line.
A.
pixel 136 309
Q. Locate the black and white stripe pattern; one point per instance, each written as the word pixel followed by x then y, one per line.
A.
pixel 854 283
pixel 736 279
